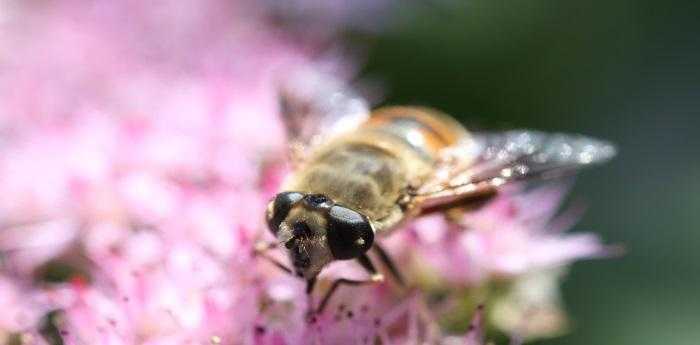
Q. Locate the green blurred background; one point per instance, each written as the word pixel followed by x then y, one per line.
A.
pixel 628 71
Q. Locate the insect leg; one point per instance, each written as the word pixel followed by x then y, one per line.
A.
pixel 389 263
pixel 367 264
pixel 374 278
pixel 261 248
pixel 310 284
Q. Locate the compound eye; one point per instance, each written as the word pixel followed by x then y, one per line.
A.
pixel 278 209
pixel 349 233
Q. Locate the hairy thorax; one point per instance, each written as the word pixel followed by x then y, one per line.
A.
pixel 365 171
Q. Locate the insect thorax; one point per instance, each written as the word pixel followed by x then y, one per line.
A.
pixel 371 168
pixel 360 175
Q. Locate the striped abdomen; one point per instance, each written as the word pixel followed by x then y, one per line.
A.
pixel 427 131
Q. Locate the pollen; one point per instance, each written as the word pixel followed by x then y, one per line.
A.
pixel 377 278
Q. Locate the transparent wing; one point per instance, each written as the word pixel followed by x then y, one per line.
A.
pixel 481 164
pixel 317 106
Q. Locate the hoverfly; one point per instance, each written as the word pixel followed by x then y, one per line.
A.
pixel 359 174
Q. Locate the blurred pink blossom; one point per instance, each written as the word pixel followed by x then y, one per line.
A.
pixel 140 143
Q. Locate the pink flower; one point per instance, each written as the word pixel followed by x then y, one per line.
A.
pixel 139 145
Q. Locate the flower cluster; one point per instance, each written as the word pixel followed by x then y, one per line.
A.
pixel 139 145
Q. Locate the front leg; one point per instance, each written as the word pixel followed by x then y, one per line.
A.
pixel 261 248
pixel 366 263
pixel 390 265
